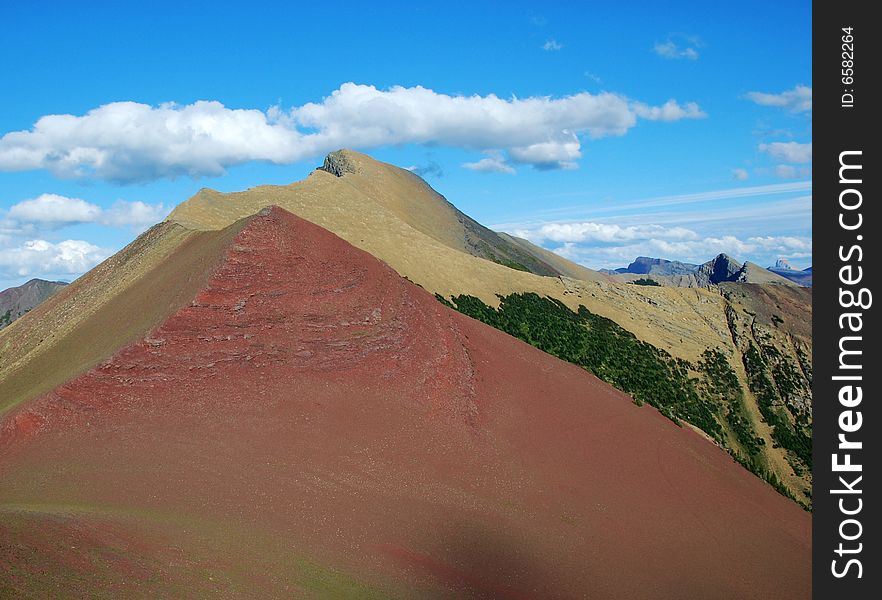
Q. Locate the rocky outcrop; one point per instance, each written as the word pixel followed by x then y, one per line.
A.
pixel 338 164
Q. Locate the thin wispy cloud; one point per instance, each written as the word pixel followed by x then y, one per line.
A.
pixel 552 45
pixel 495 163
pixel 796 100
pixel 740 174
pixel 676 200
pixel 791 172
pixel 669 111
pixel 128 142
pixel 739 218
pixel 678 48
pixel 789 152
pixel 431 167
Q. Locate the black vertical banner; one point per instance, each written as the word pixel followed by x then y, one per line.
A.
pixel 847 226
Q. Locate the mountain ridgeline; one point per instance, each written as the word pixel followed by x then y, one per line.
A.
pixel 756 330
pixel 721 269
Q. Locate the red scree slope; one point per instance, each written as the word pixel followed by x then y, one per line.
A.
pixel 314 417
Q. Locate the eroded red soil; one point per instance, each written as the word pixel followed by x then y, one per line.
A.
pixel 312 407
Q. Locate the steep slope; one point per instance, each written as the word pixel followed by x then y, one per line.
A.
pixel 16 301
pixel 116 302
pixel 312 424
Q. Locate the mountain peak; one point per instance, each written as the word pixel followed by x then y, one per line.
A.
pixel 721 268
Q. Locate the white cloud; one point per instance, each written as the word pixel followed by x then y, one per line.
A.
pixel 53 210
pixel 790 152
pixel 40 257
pixel 494 163
pixel 740 174
pixel 669 111
pixel 560 154
pixel 127 141
pixel 671 50
pixel 797 100
pixel 552 45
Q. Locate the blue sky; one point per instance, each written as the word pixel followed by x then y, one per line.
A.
pixel 601 130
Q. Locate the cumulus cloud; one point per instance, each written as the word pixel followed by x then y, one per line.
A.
pixel 797 100
pixel 53 210
pixel 740 174
pixel 40 257
pixel 552 45
pixel 672 50
pixel 127 141
pixel 790 152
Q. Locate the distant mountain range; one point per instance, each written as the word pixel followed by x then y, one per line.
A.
pixel 16 301
pixel 722 268
pixel 783 268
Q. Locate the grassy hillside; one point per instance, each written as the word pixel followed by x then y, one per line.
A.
pixel 706 394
